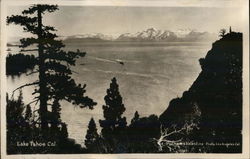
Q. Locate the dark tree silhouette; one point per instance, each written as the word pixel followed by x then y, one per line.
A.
pixel 113 124
pixel 222 32
pixel 28 114
pixel 135 118
pixel 21 129
pixel 92 137
pixel 54 79
pixel 141 134
pixel 15 122
pixel 55 115
pixel 65 133
pixel 19 63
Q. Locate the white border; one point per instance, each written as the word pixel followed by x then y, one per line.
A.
pixel 244 4
pixel 132 3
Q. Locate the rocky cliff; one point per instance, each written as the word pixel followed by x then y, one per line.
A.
pixel 216 95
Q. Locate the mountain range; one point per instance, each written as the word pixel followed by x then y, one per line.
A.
pixel 150 34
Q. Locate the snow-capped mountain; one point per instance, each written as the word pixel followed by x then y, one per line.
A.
pixel 181 33
pixel 153 34
pixel 150 34
pixel 90 36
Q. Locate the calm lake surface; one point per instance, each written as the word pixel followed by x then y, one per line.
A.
pixel 151 75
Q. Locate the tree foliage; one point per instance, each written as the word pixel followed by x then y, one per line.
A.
pixel 92 137
pixel 113 125
pixel 135 118
pixel 222 32
pixel 16 64
pixel 54 82
pixel 21 129
pixel 141 134
pixel 15 122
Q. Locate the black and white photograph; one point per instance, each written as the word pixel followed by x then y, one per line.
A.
pixel 124 78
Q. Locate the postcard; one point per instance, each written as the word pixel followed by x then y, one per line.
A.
pixel 125 79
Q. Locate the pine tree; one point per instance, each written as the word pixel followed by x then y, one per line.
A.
pixel 114 108
pixel 222 32
pixel 54 73
pixel 113 124
pixel 62 140
pixel 91 139
pixel 28 114
pixel 55 115
pixel 135 118
pixel 64 130
pixel 14 111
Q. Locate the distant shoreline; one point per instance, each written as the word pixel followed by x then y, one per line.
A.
pixel 125 43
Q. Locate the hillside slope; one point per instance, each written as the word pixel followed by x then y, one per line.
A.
pixel 217 95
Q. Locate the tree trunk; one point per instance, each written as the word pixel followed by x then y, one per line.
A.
pixel 42 82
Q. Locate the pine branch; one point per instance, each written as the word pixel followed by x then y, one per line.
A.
pixel 57 67
pixel 54 48
pixel 33 102
pixel 65 88
pixel 33 72
pixel 35 92
pixel 59 56
pixel 25 42
pixel 21 20
pixel 28 23
pixel 44 7
pixel 48 35
pixel 22 50
pixel 25 85
pixel 49 28
pixel 51 41
pixel 48 8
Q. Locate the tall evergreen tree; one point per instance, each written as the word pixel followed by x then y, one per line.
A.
pixel 55 115
pixel 64 130
pixel 113 124
pixel 28 114
pixel 91 139
pixel 54 73
pixel 135 118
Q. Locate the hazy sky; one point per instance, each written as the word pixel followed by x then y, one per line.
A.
pixel 111 20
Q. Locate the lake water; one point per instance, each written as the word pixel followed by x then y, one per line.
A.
pixel 150 75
